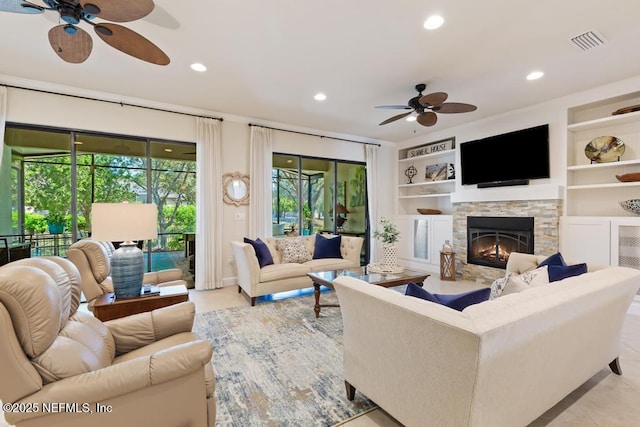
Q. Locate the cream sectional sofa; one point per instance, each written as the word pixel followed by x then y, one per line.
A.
pixel 502 362
pixel 279 276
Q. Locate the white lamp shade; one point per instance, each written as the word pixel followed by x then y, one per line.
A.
pixel 116 222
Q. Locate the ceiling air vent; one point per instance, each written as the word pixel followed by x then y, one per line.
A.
pixel 588 40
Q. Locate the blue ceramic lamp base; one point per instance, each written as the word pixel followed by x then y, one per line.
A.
pixel 127 270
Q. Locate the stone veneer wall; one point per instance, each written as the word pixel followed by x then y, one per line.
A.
pixel 546 234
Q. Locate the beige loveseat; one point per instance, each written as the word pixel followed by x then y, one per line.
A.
pixel 60 366
pixel 502 362
pixel 279 276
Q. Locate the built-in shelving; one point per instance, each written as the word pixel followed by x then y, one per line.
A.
pixel 592 188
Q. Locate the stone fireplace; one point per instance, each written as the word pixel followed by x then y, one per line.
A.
pixel 546 219
pixel 491 239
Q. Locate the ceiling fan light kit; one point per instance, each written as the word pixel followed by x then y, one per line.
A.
pixel 426 107
pixel 72 44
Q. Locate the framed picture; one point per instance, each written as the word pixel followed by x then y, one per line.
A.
pixel 433 147
pixel 439 172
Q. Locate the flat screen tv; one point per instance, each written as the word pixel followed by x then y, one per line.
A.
pixel 508 159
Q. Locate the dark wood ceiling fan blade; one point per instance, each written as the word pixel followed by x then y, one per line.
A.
pixel 455 107
pixel 72 48
pixel 131 43
pixel 394 118
pixel 20 6
pixel 435 98
pixel 428 118
pixel 394 107
pixel 120 10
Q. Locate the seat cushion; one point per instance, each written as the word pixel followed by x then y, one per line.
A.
pixel 324 264
pixel 283 271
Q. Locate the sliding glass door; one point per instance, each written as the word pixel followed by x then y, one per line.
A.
pixel 315 195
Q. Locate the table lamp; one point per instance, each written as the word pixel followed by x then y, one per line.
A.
pixel 126 222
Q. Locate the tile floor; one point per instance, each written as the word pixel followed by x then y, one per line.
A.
pixel 605 400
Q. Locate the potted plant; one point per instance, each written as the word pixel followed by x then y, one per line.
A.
pixel 389 235
pixel 55 222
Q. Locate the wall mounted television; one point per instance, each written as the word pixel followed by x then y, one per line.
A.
pixel 508 159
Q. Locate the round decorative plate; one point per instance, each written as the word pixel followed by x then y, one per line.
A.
pixel 632 205
pixel 604 149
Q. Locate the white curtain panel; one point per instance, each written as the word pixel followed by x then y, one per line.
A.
pixel 260 164
pixel 371 156
pixel 208 273
pixel 3 118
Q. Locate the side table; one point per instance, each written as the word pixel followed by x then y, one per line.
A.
pixel 107 307
pixel 448 266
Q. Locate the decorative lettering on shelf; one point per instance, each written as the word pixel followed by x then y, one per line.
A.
pixel 433 147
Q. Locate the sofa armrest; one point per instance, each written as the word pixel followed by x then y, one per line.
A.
pixel 132 332
pixel 247 266
pixel 122 378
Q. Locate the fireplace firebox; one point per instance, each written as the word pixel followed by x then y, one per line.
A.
pixel 490 240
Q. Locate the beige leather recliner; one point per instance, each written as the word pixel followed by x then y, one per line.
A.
pixel 60 366
pixel 93 259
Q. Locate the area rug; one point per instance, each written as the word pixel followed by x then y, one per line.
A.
pixel 277 365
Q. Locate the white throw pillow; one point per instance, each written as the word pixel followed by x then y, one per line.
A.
pixel 293 250
pixel 498 286
pixel 524 281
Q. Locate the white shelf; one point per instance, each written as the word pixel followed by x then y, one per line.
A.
pixel 604 165
pixel 426 183
pixel 605 121
pixel 425 196
pixel 431 156
pixel 607 185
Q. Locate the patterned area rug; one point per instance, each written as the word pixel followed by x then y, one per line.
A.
pixel 277 365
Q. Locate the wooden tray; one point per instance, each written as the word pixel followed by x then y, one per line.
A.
pixel 629 177
pixel 429 211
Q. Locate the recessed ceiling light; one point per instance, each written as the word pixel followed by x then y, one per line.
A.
pixel 168 150
pixel 411 118
pixel 320 96
pixel 196 66
pixel 433 22
pixel 535 75
pixel 78 142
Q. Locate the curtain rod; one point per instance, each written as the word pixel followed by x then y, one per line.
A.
pixel 122 104
pixel 313 134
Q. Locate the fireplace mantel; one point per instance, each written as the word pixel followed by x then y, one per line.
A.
pixel 505 194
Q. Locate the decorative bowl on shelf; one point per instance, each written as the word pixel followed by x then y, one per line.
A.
pixel 423 211
pixel 631 205
pixel 604 149
pixel 629 177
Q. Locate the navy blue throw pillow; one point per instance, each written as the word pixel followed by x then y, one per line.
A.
pixel 456 301
pixel 414 290
pixel 559 272
pixel 555 259
pixel 327 247
pixel 262 251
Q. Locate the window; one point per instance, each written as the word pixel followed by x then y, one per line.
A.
pixel 59 172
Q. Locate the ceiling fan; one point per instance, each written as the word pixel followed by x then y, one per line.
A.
pixel 426 106
pixel 73 44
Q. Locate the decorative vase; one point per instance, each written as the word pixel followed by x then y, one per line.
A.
pixel 447 248
pixel 389 256
pixel 127 270
pixel 55 227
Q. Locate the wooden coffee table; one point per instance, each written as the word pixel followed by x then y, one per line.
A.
pixel 107 307
pixel 388 280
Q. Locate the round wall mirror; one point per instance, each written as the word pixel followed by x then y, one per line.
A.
pixel 236 188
